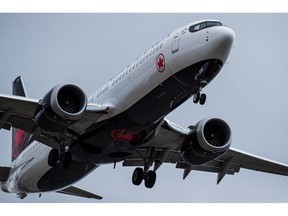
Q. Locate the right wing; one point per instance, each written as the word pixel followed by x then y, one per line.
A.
pixel 165 147
pixel 232 161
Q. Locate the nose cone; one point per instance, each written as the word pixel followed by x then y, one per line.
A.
pixel 223 39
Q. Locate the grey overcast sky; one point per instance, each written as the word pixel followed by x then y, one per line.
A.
pixel 88 49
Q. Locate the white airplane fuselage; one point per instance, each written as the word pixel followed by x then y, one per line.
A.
pixel 138 99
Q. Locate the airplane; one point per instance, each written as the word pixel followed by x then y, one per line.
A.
pixel 61 138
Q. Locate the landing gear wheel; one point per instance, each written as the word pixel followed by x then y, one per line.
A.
pixel 53 157
pixel 137 176
pixel 67 160
pixel 196 97
pixel 202 99
pixel 150 179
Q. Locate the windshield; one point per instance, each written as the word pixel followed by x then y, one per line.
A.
pixel 204 25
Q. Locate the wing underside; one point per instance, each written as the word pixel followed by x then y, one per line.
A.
pixel 156 153
pixel 18 112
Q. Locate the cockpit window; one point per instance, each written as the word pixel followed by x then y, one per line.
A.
pixel 204 25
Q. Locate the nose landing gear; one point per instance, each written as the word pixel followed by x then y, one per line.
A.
pixel 200 77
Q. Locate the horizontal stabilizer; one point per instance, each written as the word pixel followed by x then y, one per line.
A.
pixel 74 191
pixel 4 173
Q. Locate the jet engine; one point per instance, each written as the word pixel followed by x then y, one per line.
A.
pixel 61 107
pixel 209 139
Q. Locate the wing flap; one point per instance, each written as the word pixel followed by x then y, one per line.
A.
pixel 20 106
pixel 18 112
pixel 17 121
pixel 74 191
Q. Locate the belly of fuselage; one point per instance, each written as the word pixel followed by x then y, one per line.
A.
pixel 117 138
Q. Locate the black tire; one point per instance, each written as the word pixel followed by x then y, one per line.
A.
pixel 53 157
pixel 196 97
pixel 150 179
pixel 137 176
pixel 202 99
pixel 67 160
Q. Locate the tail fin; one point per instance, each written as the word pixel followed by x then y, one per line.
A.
pixel 20 138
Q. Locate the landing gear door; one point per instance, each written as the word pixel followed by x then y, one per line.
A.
pixel 175 43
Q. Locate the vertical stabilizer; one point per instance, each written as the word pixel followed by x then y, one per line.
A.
pixel 20 138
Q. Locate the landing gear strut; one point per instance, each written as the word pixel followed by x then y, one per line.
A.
pixel 148 176
pixel 200 77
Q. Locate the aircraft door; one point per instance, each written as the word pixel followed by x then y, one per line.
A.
pixel 175 43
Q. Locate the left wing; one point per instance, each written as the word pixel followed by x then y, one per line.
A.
pixel 165 148
pixel 74 191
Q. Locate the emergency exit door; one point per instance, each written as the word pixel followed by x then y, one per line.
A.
pixel 175 43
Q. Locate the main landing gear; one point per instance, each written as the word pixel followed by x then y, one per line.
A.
pixel 63 157
pixel 149 176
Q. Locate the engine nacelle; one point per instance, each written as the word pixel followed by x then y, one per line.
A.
pixel 210 139
pixel 61 107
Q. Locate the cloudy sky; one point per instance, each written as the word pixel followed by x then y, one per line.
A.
pixel 88 49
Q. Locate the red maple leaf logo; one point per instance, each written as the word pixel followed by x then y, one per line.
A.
pixel 125 136
pixel 160 63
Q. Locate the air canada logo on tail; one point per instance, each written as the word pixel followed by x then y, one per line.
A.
pixel 20 141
